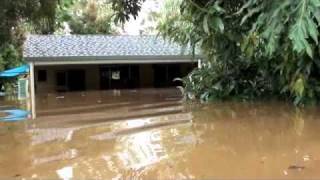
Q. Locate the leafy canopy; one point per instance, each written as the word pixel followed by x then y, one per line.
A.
pixel 86 17
pixel 253 48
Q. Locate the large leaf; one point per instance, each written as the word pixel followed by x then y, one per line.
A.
pixel 217 24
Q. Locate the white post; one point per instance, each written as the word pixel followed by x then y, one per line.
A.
pixel 199 64
pixel 32 89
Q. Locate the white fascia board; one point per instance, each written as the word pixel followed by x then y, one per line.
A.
pixel 118 61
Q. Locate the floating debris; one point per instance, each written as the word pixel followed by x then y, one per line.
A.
pixel 296 167
pixel 14 115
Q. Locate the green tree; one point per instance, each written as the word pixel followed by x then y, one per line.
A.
pixel 15 13
pixel 253 48
pixel 125 9
pixel 173 25
pixel 289 33
pixel 87 17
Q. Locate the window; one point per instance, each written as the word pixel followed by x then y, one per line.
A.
pixel 42 75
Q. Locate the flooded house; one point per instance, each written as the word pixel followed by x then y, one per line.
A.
pixel 61 63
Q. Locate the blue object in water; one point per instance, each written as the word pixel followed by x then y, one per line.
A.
pixel 15 115
pixel 15 71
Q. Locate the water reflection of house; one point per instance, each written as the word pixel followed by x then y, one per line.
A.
pixel 143 149
pixel 132 148
pixel 95 62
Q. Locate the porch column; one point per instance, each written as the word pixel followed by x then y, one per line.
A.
pixel 32 91
pixel 199 63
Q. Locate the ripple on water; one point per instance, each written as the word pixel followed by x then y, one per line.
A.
pixel 153 134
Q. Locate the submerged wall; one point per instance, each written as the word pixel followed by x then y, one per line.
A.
pixel 93 75
pixel 92 78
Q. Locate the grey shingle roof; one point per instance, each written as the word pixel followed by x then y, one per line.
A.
pixel 103 46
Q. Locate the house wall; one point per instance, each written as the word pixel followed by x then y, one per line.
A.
pixel 46 86
pixel 92 79
pixel 49 86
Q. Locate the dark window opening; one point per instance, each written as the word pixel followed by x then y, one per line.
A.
pixel 42 75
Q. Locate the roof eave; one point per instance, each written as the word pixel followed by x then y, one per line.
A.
pixel 111 60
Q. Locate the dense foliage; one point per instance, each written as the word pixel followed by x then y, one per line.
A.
pixel 14 14
pixel 85 17
pixel 253 48
pixel 125 9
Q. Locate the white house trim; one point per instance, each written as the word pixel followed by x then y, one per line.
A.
pixel 32 91
pixel 80 62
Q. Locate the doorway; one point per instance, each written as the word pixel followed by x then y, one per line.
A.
pixel 76 80
pixel 119 77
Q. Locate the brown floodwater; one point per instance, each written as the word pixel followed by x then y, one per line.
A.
pixel 2 114
pixel 154 134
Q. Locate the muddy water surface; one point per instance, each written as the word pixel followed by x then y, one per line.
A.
pixel 153 134
pixel 2 114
